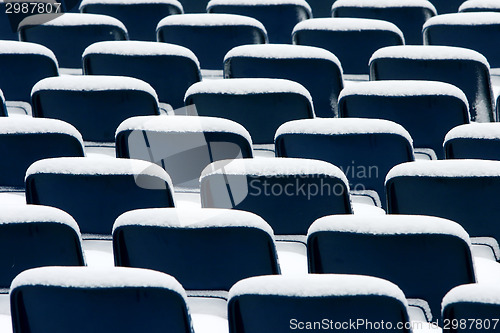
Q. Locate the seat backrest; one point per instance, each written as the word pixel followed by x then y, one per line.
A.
pixel 390 247
pixel 140 17
pixel 409 16
pixel 205 249
pixel 81 29
pixel 352 40
pixel 178 67
pixel 426 109
pixel 265 303
pixel 364 149
pixel 182 145
pixel 288 193
pixel 96 191
pixel 318 70
pixel 84 299
pixel 481 141
pixel 260 105
pixel 210 36
pixel 479 6
pixel 279 31
pixel 22 65
pixel 466 69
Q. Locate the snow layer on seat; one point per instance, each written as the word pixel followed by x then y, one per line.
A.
pixel 385 4
pixel 484 4
pixel 402 88
pixel 347 24
pixel 132 48
pixel 70 19
pixel 317 285
pixel 210 20
pixel 183 124
pixel 274 167
pixel 192 218
pixel 282 51
pixel 474 293
pixel 474 131
pixel 390 225
pixel 428 52
pixel 446 168
pixel 481 18
pixel 340 126
pixel 15 47
pixel 130 2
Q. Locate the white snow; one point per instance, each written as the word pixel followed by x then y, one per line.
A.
pixel 130 2
pixel 389 225
pixel 474 131
pixel 183 124
pixel 341 126
pixel 473 293
pixel 385 4
pixel 133 48
pixel 483 4
pixel 298 3
pixel 446 168
pixel 428 52
pixel 192 218
pixel 210 20
pixel 71 19
pixel 404 88
pixel 2 98
pixel 470 19
pixel 15 47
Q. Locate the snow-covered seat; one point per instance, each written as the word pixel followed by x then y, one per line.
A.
pixel 267 303
pixel 34 236
pixel 481 141
pixel 169 69
pixel 425 256
pixel 459 190
pixel 426 109
pixel 205 249
pixel 139 16
pixel 352 40
pixel 96 191
pixel 211 36
pixel 479 6
pixel 365 149
pixel 84 299
pixel 182 145
pixel 318 70
pixel 260 105
pixel 464 68
pixel 278 16
pixel 55 30
pixel 409 16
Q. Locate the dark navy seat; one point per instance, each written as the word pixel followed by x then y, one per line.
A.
pixel 260 105
pixel 278 16
pixel 481 141
pixel 96 191
pixel 267 303
pixel 169 69
pixel 466 69
pixel 81 29
pixel 139 16
pixel 479 6
pixel 83 299
pixel 426 109
pixel 288 193
pixel 318 70
pixel 182 145
pixel 365 149
pixel 352 40
pixel 205 249
pixel 211 36
pixel 407 16
pixel 425 256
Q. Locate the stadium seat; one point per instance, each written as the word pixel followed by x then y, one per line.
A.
pixel 205 249
pixel 182 145
pixel 464 68
pixel 459 190
pixel 316 302
pixel 96 191
pixel 425 256
pixel 318 70
pixel 34 236
pixel 81 29
pixel 409 16
pixel 210 36
pixel 260 105
pixel 140 17
pixel 84 299
pixel 352 40
pixel 95 105
pixel 169 69
pixel 426 109
pixel 278 16
pixel 364 149
pixel 481 141
pixel 479 6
